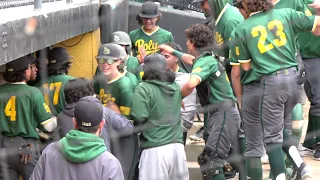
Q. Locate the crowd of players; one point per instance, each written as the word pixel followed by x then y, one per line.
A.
pixel 131 120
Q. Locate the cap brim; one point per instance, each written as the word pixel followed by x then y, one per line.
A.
pixel 197 1
pixel 106 57
pixel 148 16
pixel 59 64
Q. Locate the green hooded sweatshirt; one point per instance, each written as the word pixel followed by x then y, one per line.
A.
pixel 81 147
pixel 156 106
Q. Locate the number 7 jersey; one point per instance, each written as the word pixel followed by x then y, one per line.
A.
pixel 267 39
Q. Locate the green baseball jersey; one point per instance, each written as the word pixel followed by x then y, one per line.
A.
pixel 119 91
pixel 132 64
pixel 55 98
pixel 23 108
pixel 149 41
pixel 226 22
pixel 181 70
pixel 133 79
pixel 246 77
pixel 220 89
pixel 267 39
pixel 309 44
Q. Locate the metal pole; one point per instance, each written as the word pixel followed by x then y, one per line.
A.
pixel 37 4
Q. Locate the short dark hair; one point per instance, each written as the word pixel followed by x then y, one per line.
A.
pixel 175 46
pixel 15 76
pixel 90 130
pixel 63 69
pixel 259 5
pixel 152 74
pixel 138 18
pixel 200 35
pixel 76 89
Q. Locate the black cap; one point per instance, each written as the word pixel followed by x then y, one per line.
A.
pixel 111 51
pixel 155 61
pixel 238 4
pixel 58 56
pixel 198 1
pixel 149 9
pixel 88 112
pixel 19 64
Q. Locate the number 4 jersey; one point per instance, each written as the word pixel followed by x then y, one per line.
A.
pixel 267 39
pixel 22 109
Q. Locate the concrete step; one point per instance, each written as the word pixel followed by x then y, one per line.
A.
pixel 194 170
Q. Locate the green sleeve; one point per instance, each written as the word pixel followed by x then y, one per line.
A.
pixel 302 7
pixel 132 64
pixel 126 95
pixel 140 108
pixel 240 47
pixel 228 29
pixel 300 21
pixel 171 38
pixel 204 67
pixel 233 50
pixel 41 109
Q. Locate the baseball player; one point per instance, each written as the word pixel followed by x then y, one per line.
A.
pixel 150 35
pixel 22 109
pixel 309 48
pixel 215 94
pixel 82 154
pixel 280 82
pixel 163 156
pixel 115 87
pixel 59 62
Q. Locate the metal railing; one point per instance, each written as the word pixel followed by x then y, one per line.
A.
pixel 177 4
pixel 4 4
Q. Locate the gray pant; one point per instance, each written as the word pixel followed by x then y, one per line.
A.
pixel 10 166
pixel 251 120
pixel 223 128
pixel 312 84
pixel 280 93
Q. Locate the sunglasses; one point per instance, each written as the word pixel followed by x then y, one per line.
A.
pixel 108 61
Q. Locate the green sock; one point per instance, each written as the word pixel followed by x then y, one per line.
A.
pixel 310 140
pixel 242 148
pixel 219 176
pixel 254 168
pixel 276 159
pixel 287 143
pixel 316 125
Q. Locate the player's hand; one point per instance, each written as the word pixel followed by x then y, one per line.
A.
pixel 111 105
pixel 142 54
pixel 316 5
pixel 166 48
pixel 25 152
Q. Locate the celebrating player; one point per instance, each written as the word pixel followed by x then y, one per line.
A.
pixel 22 109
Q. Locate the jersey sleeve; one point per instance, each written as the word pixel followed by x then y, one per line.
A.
pixel 240 47
pixel 140 108
pixel 301 22
pixel 41 109
pixel 170 38
pixel 234 51
pixel 132 64
pixel 126 99
pixel 302 7
pixel 204 67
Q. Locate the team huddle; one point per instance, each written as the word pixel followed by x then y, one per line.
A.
pixel 250 61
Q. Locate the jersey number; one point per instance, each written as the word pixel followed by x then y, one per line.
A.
pixel 53 86
pixel 10 109
pixel 280 41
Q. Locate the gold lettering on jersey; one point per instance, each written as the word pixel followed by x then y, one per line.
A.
pixel 219 38
pixel 150 47
pixel 105 98
pixel 196 70
pixel 46 107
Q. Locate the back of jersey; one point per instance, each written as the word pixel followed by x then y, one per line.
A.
pixel 268 39
pixel 22 110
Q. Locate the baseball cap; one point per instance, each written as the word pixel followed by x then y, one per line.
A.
pixel 2 68
pixel 58 56
pixel 88 112
pixel 155 61
pixel 20 63
pixel 198 1
pixel 149 9
pixel 238 4
pixel 111 51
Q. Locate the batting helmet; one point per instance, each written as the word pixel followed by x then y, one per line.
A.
pixel 122 38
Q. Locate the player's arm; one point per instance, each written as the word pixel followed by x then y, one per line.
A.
pixel 171 38
pixel 43 113
pixel 118 122
pixel 126 100
pixel 140 108
pixel 38 171
pixel 241 49
pixel 186 58
pixel 187 89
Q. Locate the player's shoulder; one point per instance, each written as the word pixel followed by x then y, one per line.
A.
pixel 164 32
pixel 233 14
pixel 134 32
pixel 124 83
pixel 205 59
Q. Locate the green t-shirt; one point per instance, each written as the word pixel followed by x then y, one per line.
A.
pixel 22 109
pixel 157 105
pixel 267 39
pixel 132 64
pixel 227 21
pixel 55 98
pixel 246 77
pixel 309 44
pixel 220 89
pixel 149 41
pixel 133 79
pixel 119 91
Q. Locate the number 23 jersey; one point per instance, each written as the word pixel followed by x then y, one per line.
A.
pixel 267 39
